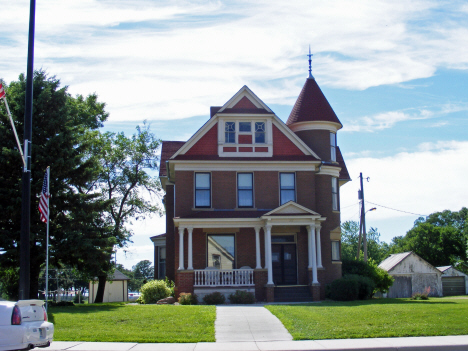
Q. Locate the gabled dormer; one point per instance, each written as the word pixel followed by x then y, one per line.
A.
pixel 245 127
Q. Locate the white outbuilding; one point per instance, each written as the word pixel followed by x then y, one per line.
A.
pixel 116 289
pixel 412 275
pixel 454 282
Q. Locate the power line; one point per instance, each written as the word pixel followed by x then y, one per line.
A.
pixel 394 209
pixel 342 208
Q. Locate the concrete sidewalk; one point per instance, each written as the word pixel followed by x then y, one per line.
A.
pixel 439 343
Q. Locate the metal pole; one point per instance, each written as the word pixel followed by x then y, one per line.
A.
pixel 26 179
pixel 47 240
pixel 363 221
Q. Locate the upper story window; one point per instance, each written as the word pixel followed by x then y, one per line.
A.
pixel 287 188
pixel 202 190
pixel 260 132
pixel 230 132
pixel 245 189
pixel 334 193
pixel 333 147
pixel 245 126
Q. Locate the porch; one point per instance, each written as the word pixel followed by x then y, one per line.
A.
pixel 258 245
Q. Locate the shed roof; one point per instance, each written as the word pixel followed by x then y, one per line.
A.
pixel 443 268
pixel 393 260
pixel 118 275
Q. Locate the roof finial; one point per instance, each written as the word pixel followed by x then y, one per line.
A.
pixel 310 64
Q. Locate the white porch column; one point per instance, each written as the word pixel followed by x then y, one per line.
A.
pixel 269 262
pixel 319 249
pixel 181 248
pixel 190 260
pixel 257 247
pixel 312 250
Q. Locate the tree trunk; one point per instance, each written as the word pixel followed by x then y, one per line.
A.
pixel 100 290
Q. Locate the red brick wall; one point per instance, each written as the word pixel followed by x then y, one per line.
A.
pixel 207 145
pixel 170 259
pixel 245 248
pixel 261 279
pixel 302 257
pixel 199 249
pixel 282 145
pixel 305 181
pixel 266 190
pixel 184 282
pixel 184 193
pixel 224 186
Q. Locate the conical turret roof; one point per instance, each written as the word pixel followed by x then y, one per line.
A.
pixel 312 105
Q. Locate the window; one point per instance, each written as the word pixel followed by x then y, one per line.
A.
pixel 334 193
pixel 335 250
pixel 221 251
pixel 245 189
pixel 162 262
pixel 244 127
pixel 333 147
pixel 260 132
pixel 202 190
pixel 230 132
pixel 287 187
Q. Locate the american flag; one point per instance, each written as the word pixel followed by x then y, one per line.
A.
pixel 43 203
pixel 2 92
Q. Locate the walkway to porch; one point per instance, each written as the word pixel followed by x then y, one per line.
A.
pixel 248 323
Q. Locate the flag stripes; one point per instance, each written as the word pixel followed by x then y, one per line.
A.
pixel 43 201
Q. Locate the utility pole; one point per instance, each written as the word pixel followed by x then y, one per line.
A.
pixel 26 178
pixel 362 224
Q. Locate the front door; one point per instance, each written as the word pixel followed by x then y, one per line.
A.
pixel 284 264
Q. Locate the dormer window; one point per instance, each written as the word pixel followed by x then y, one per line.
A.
pixel 245 127
pixel 260 132
pixel 230 132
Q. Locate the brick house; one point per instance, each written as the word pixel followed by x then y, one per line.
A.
pixel 253 203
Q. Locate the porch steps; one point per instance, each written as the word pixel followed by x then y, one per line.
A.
pixel 296 293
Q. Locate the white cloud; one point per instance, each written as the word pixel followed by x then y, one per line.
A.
pixel 169 60
pixel 424 181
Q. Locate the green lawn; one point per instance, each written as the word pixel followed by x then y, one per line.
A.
pixel 374 318
pixel 133 323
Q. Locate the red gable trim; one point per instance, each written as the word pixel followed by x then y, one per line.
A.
pixel 207 145
pixel 282 145
pixel 245 103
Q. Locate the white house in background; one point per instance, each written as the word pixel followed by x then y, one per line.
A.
pixel 116 289
pixel 412 275
pixel 454 282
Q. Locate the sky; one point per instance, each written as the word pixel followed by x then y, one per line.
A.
pixel 395 73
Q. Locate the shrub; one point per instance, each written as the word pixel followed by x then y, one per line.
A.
pixel 188 299
pixel 422 296
pixel 242 297
pixel 382 280
pixel 153 291
pixel 215 298
pixel 344 290
pixel 171 285
pixel 365 285
pixel 52 303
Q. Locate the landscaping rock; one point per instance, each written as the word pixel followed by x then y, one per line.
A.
pixel 167 301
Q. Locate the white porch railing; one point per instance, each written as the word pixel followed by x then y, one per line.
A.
pixel 224 277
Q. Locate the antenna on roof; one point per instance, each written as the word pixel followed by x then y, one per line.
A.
pixel 310 64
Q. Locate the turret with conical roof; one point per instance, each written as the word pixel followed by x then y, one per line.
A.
pixel 314 121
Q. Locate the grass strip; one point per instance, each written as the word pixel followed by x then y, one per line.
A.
pixel 119 322
pixel 374 318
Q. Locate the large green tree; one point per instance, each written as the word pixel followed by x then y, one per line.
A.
pixel 128 182
pixel 376 249
pixel 440 239
pixel 60 139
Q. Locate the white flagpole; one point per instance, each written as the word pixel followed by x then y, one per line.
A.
pixel 14 131
pixel 47 241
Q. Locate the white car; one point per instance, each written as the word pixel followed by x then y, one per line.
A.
pixel 23 325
